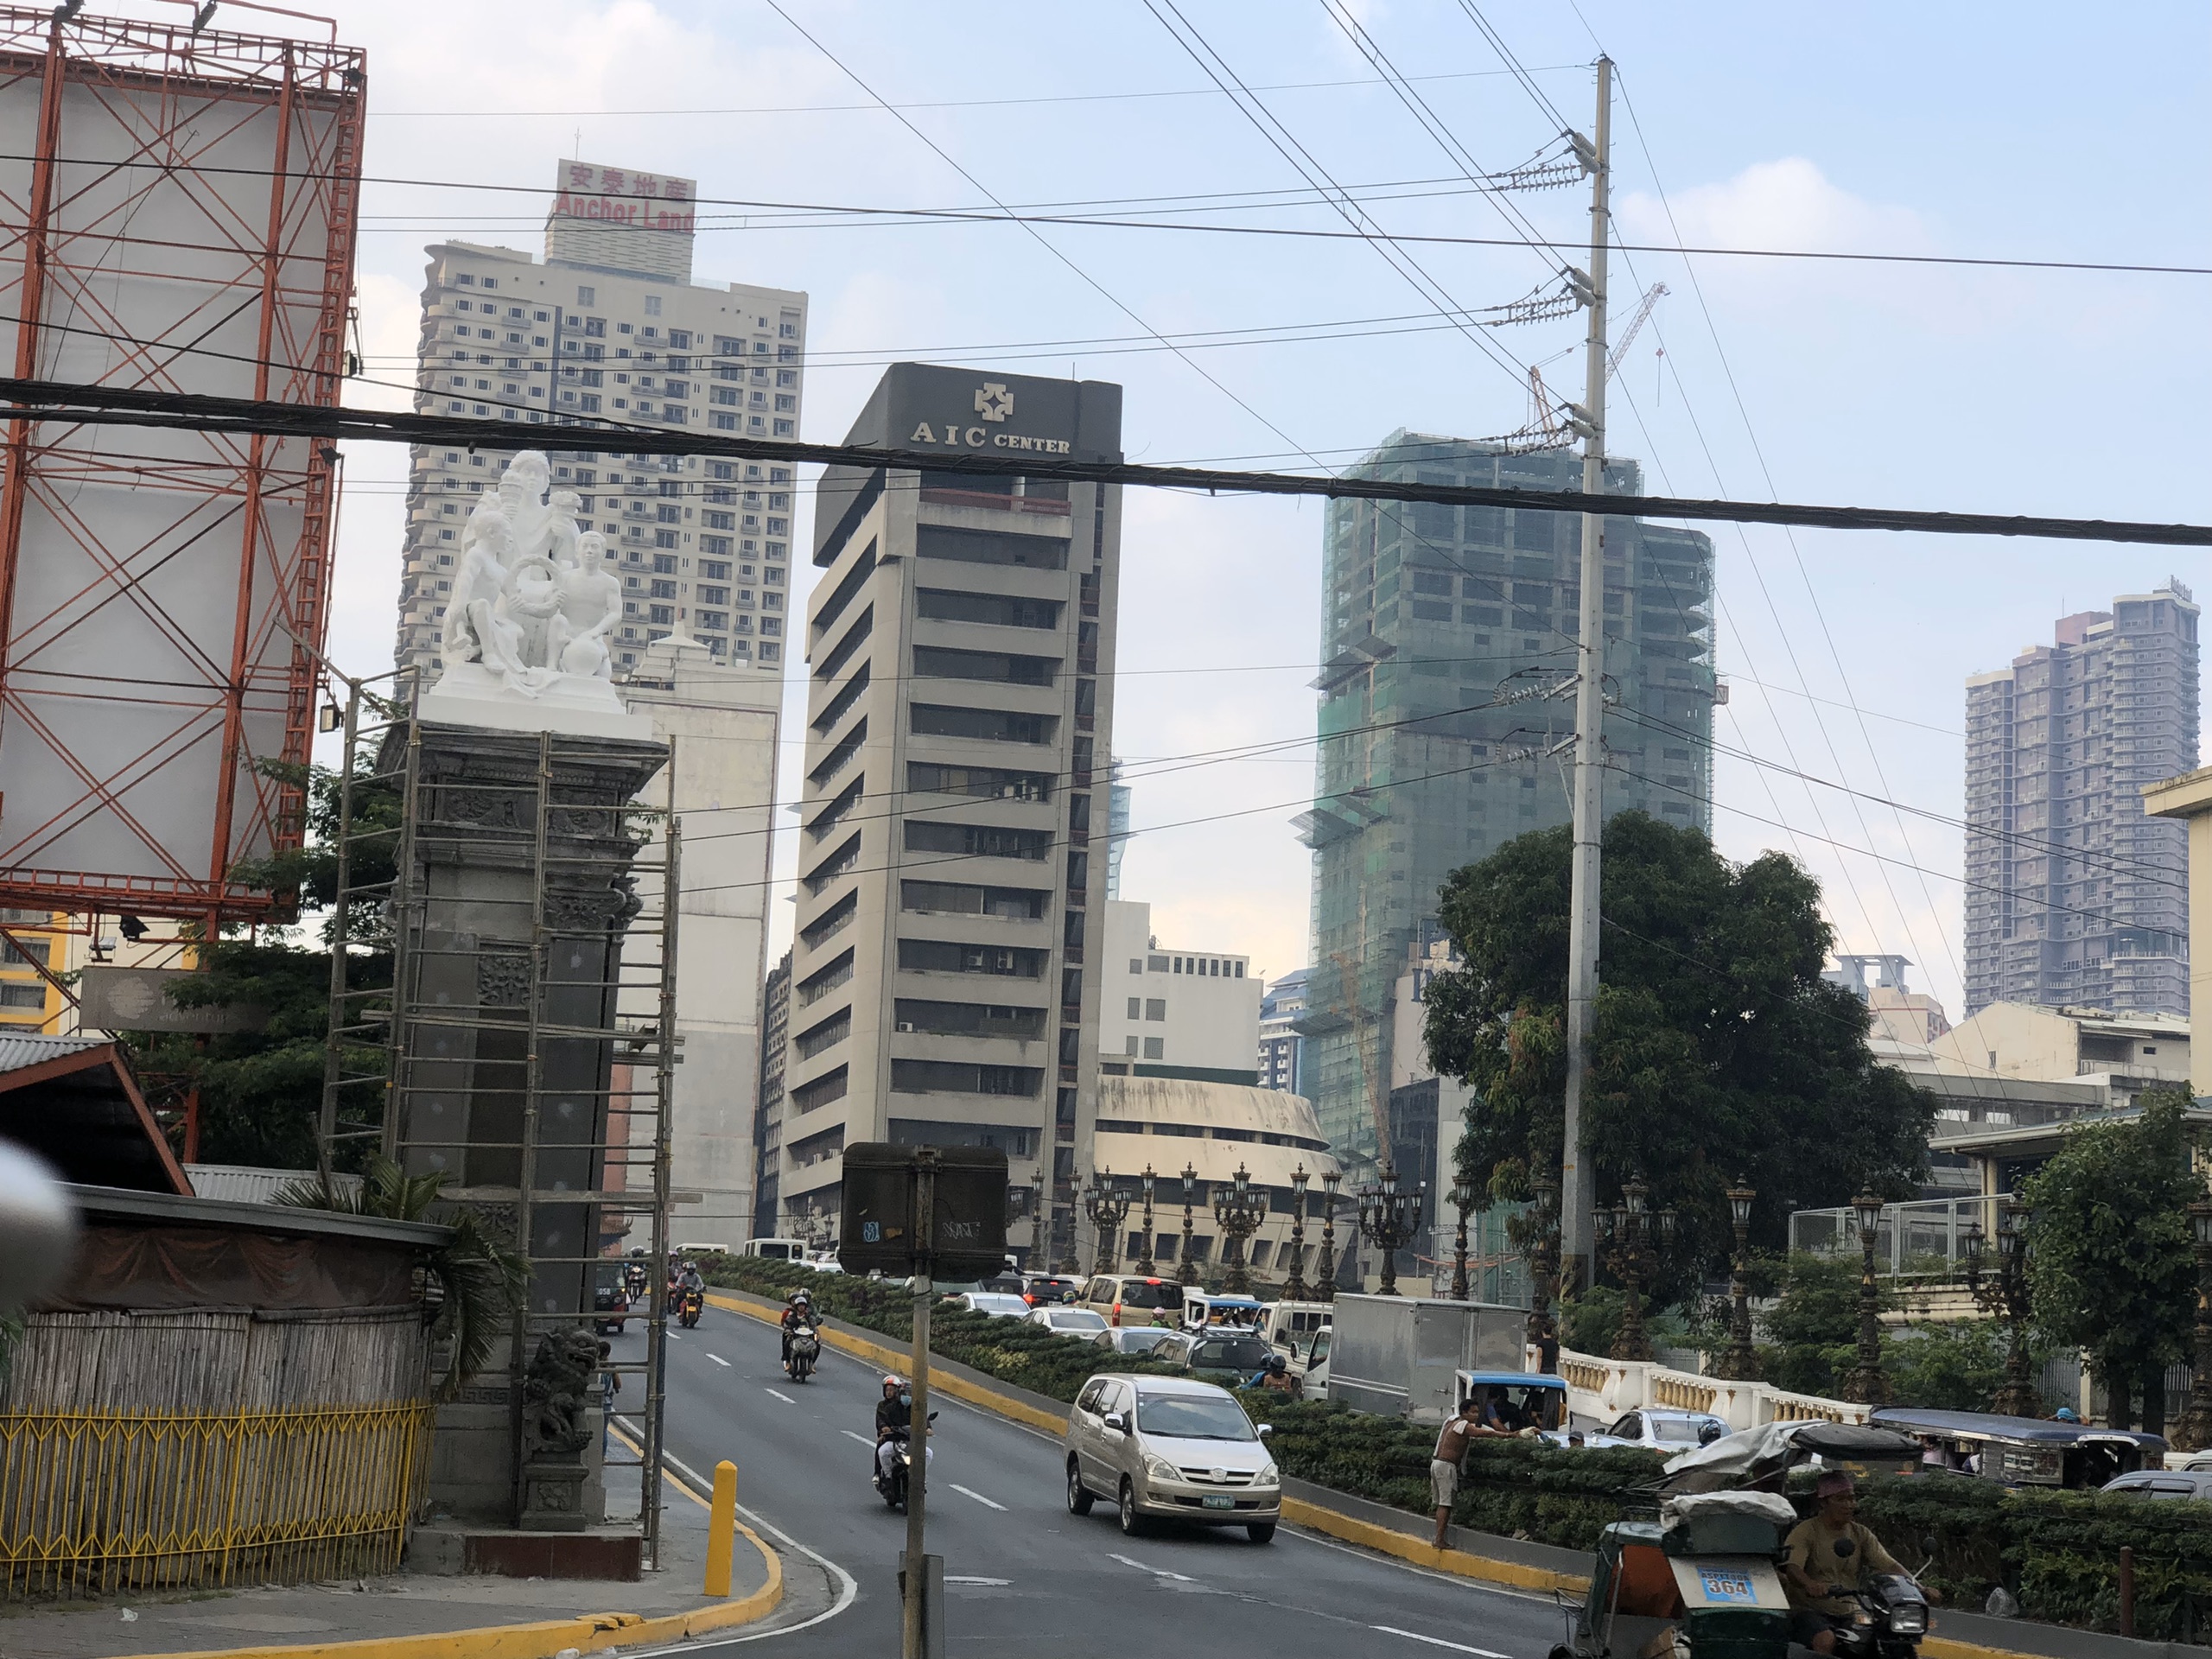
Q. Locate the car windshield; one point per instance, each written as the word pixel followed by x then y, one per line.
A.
pixel 1193 1417
pixel 1076 1319
pixel 1138 1294
pixel 987 1302
pixel 1231 1353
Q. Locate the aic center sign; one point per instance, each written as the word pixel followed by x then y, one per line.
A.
pixel 995 403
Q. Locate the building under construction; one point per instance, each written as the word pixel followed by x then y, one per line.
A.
pixel 1449 637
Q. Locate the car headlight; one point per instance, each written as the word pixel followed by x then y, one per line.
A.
pixel 1909 1620
pixel 1267 1476
pixel 1160 1469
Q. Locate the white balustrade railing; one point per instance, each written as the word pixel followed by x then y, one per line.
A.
pixel 1604 1388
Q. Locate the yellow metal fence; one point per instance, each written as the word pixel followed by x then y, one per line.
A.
pixel 99 1501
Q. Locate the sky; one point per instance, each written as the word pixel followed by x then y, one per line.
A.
pixel 2033 132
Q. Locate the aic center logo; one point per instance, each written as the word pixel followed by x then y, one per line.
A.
pixel 993 401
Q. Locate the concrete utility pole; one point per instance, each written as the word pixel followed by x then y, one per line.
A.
pixel 1578 1175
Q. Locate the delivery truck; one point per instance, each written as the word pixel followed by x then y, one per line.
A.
pixel 1400 1356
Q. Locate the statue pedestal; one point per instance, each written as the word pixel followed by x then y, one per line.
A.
pixel 469 694
pixel 552 1496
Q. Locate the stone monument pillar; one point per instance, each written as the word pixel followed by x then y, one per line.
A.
pixel 515 901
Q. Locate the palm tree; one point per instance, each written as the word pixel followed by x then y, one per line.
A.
pixel 477 1285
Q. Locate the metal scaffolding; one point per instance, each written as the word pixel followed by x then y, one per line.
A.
pixel 542 1089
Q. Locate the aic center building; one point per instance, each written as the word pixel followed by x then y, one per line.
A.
pixel 944 971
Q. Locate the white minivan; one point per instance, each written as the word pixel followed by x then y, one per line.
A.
pixel 1170 1448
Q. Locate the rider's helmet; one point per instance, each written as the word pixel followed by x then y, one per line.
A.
pixel 893 1382
pixel 1277 1364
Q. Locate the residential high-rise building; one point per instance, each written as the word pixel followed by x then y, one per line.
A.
pixel 945 977
pixel 1118 801
pixel 1281 1048
pixel 1442 627
pixel 2075 897
pixel 608 331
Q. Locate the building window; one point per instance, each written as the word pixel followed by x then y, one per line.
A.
pixel 653 305
pixel 1155 1048
pixel 1156 1007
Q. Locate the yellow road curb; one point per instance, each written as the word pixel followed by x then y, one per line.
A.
pixel 586 1632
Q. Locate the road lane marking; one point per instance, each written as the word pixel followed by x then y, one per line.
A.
pixel 1157 1571
pixel 1435 1641
pixel 980 1498
pixel 786 1398
pixel 992 1581
pixel 719 1360
pixel 849 1435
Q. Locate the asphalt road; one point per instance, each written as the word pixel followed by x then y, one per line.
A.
pixel 1022 1575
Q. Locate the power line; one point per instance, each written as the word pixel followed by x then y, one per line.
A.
pixel 92 405
pixel 1006 216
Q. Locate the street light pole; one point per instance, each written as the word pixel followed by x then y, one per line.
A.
pixel 1540 1248
pixel 1107 1207
pixel 1389 1219
pixel 1868 1384
pixel 2007 1294
pixel 1326 1290
pixel 2196 1427
pixel 1239 1209
pixel 1186 1271
pixel 1040 1243
pixel 1297 1290
pixel 1462 1195
pixel 1144 1260
pixel 1631 1227
pixel 1741 1361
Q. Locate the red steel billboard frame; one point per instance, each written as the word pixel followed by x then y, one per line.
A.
pixel 131 181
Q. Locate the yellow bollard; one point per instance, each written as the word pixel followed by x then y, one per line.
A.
pixel 721 1528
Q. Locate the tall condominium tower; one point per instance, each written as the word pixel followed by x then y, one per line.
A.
pixel 608 331
pixel 2074 897
pixel 1442 628
pixel 945 973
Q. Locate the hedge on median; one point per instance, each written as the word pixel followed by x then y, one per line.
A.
pixel 1012 1351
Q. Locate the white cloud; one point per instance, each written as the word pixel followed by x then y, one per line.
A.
pixel 1788 203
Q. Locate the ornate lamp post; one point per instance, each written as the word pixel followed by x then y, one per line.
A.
pixel 1463 1197
pixel 1144 1259
pixel 1296 1289
pixel 1868 1384
pixel 1326 1291
pixel 1741 1361
pixel 1540 1248
pixel 1389 1220
pixel 2006 1294
pixel 1635 1232
pixel 2196 1427
pixel 1239 1208
pixel 1107 1206
pixel 1039 1218
pixel 1186 1271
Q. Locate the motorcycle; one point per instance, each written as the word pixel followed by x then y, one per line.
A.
pixel 893 1486
pixel 1890 1618
pixel 806 1348
pixel 690 1305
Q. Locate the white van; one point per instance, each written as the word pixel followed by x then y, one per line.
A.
pixel 776 1249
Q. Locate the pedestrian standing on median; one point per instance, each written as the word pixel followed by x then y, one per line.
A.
pixel 1444 1464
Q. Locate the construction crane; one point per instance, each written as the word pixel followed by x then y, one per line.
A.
pixel 1657 292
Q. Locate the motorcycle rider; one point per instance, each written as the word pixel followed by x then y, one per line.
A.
pixel 893 1412
pixel 799 1311
pixel 1830 1556
pixel 1274 1375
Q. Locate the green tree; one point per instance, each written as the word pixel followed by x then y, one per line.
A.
pixel 261 1091
pixel 2110 1269
pixel 1718 1052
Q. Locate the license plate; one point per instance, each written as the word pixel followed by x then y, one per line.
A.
pixel 1726 1587
pixel 1212 1503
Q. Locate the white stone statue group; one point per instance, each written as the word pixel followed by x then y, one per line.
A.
pixel 532 601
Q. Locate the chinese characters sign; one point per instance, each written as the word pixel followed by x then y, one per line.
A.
pixel 619 198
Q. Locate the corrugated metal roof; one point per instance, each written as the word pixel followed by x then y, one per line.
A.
pixel 22 1049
